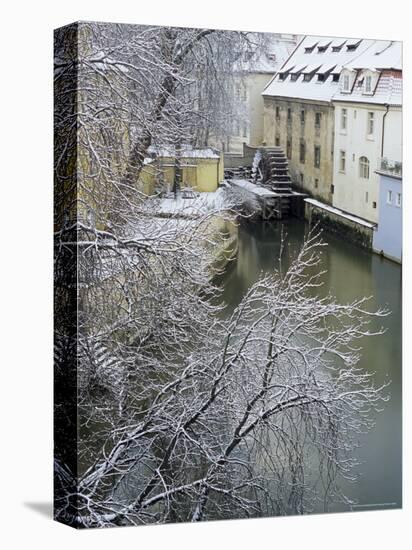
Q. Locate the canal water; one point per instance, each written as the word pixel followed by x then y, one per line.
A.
pixel 351 273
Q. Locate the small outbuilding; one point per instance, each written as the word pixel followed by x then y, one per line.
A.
pixel 200 169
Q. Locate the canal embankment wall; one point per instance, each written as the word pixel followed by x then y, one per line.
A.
pixel 336 221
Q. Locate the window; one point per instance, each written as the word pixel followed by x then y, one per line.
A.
pixel 321 78
pixel 364 167
pixel 337 48
pixel 289 148
pixel 294 77
pixel 302 151
pixel 317 156
pixel 332 189
pixel 308 77
pixel 244 129
pixel 302 178
pixel 316 183
pixel 389 197
pixel 366 196
pixel 343 119
pixel 318 117
pixel 289 115
pixel 368 84
pixel 277 141
pixel 342 161
pixel 398 199
pixel 374 204
pixel 354 113
pixel 277 111
pixel 345 83
pixel 282 76
pixel 352 46
pixel 335 77
pixel 371 123
pixel 309 49
pixel 302 116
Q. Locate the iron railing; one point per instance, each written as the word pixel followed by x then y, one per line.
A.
pixel 390 167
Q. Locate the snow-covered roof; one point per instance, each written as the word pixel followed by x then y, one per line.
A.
pixel 382 54
pixel 276 50
pixel 326 68
pixel 376 55
pixel 252 188
pixel 388 91
pixel 352 41
pixel 315 60
pixel 338 43
pixel 385 58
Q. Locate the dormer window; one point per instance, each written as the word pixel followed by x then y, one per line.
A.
pixel 352 45
pixel 321 78
pixel 323 47
pixel 338 45
pixel 310 47
pixel 294 77
pixel 335 78
pixel 271 56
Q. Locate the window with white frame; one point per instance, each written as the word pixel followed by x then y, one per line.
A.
pixel 368 84
pixel 244 93
pixel 389 197
pixel 343 119
pixel 398 199
pixel 364 167
pixel 371 123
pixel 342 161
pixel 317 156
pixel 345 83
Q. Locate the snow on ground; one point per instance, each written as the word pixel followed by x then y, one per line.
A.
pixel 199 203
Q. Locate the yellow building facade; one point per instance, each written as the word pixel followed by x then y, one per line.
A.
pixel 200 169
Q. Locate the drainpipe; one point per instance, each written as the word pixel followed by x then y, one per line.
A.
pixel 383 127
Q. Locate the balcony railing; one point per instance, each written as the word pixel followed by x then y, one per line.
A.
pixel 390 167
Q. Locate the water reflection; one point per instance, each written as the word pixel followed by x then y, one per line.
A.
pixel 351 273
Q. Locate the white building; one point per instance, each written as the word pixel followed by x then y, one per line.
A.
pixel 299 113
pixel 368 126
pixel 253 72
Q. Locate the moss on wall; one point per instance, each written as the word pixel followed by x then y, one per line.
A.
pixel 347 229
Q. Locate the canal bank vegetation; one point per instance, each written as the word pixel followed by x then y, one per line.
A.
pixel 165 410
pixel 185 416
